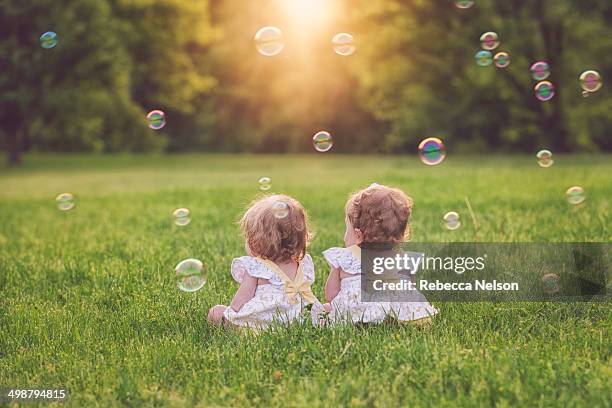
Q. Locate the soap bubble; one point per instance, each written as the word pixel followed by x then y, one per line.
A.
pixel 544 91
pixel 464 4
pixel 190 275
pixel 545 158
pixel 280 209
pixel 502 59
pixel 269 41
pixel 550 283
pixel 452 220
pixel 65 202
pixel 432 151
pixel 181 217
pixel 585 94
pixel 48 40
pixel 322 141
pixel 590 81
pixel 489 41
pixel 343 44
pixel 540 70
pixel 156 119
pixel 484 58
pixel 265 183
pixel 575 195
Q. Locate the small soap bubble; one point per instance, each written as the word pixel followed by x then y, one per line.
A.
pixel 280 209
pixel 181 217
pixel 540 70
pixel 48 40
pixel 489 41
pixel 65 202
pixel 343 44
pixel 322 141
pixel 156 119
pixel 190 275
pixel 502 59
pixel 590 81
pixel 551 283
pixel 585 94
pixel 575 195
pixel 484 58
pixel 269 41
pixel 464 4
pixel 544 91
pixel 265 183
pixel 452 220
pixel 545 158
pixel 432 151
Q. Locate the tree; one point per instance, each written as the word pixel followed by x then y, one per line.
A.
pixel 168 43
pixel 419 76
pixel 114 60
pixel 413 75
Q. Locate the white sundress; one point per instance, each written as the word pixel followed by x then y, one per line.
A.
pixel 280 301
pixel 347 305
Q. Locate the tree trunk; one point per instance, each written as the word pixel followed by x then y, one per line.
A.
pixel 14 129
pixel 553 121
pixel 15 139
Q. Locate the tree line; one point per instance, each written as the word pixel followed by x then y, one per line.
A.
pixel 413 76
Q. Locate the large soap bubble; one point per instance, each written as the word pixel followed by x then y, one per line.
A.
pixel 269 41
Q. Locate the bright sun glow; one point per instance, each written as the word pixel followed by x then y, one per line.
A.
pixel 308 12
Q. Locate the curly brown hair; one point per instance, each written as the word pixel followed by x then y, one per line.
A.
pixel 381 213
pixel 277 239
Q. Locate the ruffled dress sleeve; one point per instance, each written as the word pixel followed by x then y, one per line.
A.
pixel 308 268
pixel 250 265
pixel 344 259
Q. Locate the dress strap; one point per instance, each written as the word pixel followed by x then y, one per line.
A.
pixel 299 286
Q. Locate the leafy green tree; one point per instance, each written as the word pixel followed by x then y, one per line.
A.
pixel 413 75
pixel 114 61
pixel 168 44
pixel 418 73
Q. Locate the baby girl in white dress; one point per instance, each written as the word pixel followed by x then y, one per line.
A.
pixel 377 214
pixel 276 276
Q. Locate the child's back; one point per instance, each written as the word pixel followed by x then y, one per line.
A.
pixel 276 276
pixel 378 214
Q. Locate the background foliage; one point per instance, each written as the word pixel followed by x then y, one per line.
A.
pixel 413 76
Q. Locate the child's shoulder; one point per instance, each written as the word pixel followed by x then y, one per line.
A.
pixel 258 269
pixel 245 261
pixel 347 259
pixel 252 266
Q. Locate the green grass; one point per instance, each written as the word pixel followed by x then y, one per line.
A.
pixel 88 300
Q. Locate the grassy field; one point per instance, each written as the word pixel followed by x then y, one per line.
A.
pixel 88 298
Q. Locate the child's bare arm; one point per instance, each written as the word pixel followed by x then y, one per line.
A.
pixel 332 286
pixel 245 292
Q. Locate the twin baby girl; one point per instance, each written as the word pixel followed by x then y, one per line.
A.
pixel 276 275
